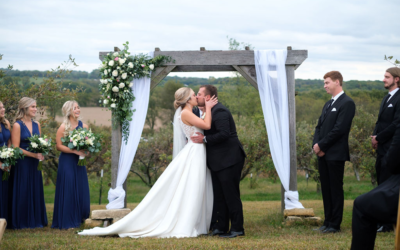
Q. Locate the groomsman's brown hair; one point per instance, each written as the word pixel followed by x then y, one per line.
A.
pixel 210 90
pixel 395 72
pixel 334 75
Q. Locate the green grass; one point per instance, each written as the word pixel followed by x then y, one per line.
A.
pixel 263 226
pixel 266 189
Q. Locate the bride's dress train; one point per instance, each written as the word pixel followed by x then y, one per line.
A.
pixel 178 205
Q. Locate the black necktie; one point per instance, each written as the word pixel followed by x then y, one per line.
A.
pixel 329 105
pixel 387 98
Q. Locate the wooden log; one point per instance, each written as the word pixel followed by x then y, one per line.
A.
pixel 157 49
pixel 397 230
pixel 203 68
pixel 202 49
pixel 159 74
pixel 3 225
pixel 249 73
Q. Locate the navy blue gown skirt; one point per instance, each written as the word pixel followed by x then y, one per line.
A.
pixel 28 207
pixel 72 199
pixel 5 188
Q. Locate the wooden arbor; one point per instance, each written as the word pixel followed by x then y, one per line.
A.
pixel 241 61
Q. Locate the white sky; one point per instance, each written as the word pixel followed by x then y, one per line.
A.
pixel 349 36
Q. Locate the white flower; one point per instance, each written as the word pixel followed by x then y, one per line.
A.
pixel 151 66
pixel 115 73
pixel 121 61
pixel 115 54
pixel 43 142
pixel 124 75
pixel 89 141
pixel 115 89
pixel 118 67
pixel 74 143
pixel 105 72
pixel 112 105
pixel 111 63
pixel 130 65
pixel 121 85
pixel 105 101
pixel 34 145
pixel 130 84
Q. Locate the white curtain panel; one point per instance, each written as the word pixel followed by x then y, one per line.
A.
pixel 141 90
pixel 272 86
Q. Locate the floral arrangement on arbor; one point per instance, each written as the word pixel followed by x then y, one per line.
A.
pixel 117 71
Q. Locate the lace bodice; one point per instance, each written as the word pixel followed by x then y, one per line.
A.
pixel 189 130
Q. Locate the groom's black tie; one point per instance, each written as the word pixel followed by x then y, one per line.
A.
pixel 329 105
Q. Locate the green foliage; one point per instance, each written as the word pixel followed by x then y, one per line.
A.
pixel 390 60
pixel 153 155
pixel 117 71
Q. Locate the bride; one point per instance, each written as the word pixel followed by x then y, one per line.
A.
pixel 180 202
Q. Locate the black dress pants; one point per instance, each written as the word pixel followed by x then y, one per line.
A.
pixel 379 205
pixel 382 173
pixel 227 204
pixel 331 175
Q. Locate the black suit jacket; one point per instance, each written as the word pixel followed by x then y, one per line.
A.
pixel 391 159
pixel 223 147
pixel 333 128
pixel 388 119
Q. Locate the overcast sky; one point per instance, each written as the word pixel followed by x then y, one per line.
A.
pixel 351 36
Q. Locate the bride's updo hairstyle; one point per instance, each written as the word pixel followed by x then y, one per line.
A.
pixel 182 95
pixel 68 110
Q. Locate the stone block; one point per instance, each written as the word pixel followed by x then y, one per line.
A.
pixel 3 225
pixel 109 214
pixel 89 223
pixel 115 220
pixel 304 212
pixel 315 221
pixel 290 220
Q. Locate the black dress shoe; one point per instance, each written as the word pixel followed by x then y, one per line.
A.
pixel 216 232
pixel 385 229
pixel 322 228
pixel 331 230
pixel 232 234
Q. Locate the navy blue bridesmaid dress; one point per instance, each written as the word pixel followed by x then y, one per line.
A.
pixel 5 135
pixel 28 207
pixel 72 199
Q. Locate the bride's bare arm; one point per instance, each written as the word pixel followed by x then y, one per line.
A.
pixel 191 119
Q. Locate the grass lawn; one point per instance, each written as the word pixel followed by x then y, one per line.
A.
pixel 263 225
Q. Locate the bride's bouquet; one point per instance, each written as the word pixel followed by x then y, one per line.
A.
pixel 8 156
pixel 40 145
pixel 82 139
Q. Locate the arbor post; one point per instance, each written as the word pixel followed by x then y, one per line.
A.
pixel 116 140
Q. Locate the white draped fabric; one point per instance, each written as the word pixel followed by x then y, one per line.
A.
pixel 141 90
pixel 272 86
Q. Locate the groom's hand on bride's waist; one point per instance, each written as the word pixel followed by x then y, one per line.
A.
pixel 197 138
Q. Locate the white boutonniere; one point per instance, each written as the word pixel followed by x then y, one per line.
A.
pixel 203 116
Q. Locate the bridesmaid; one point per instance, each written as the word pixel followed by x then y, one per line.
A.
pixel 28 207
pixel 5 140
pixel 72 199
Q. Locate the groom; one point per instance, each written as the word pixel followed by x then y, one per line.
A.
pixel 225 159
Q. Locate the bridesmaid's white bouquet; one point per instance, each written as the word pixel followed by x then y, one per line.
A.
pixel 40 145
pixel 8 156
pixel 82 139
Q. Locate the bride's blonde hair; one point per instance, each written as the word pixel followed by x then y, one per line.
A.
pixel 182 95
pixel 68 110
pixel 3 120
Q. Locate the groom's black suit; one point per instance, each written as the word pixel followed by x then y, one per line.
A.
pixel 225 159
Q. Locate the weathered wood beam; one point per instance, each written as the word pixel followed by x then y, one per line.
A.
pixel 292 127
pixel 249 73
pixel 203 68
pixel 221 57
pixel 159 74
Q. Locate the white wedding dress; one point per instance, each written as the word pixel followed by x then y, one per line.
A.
pixel 178 205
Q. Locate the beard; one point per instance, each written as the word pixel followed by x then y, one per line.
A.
pixel 201 103
pixel 390 85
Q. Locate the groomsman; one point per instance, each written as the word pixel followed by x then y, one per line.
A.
pixel 379 205
pixel 385 127
pixel 331 145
